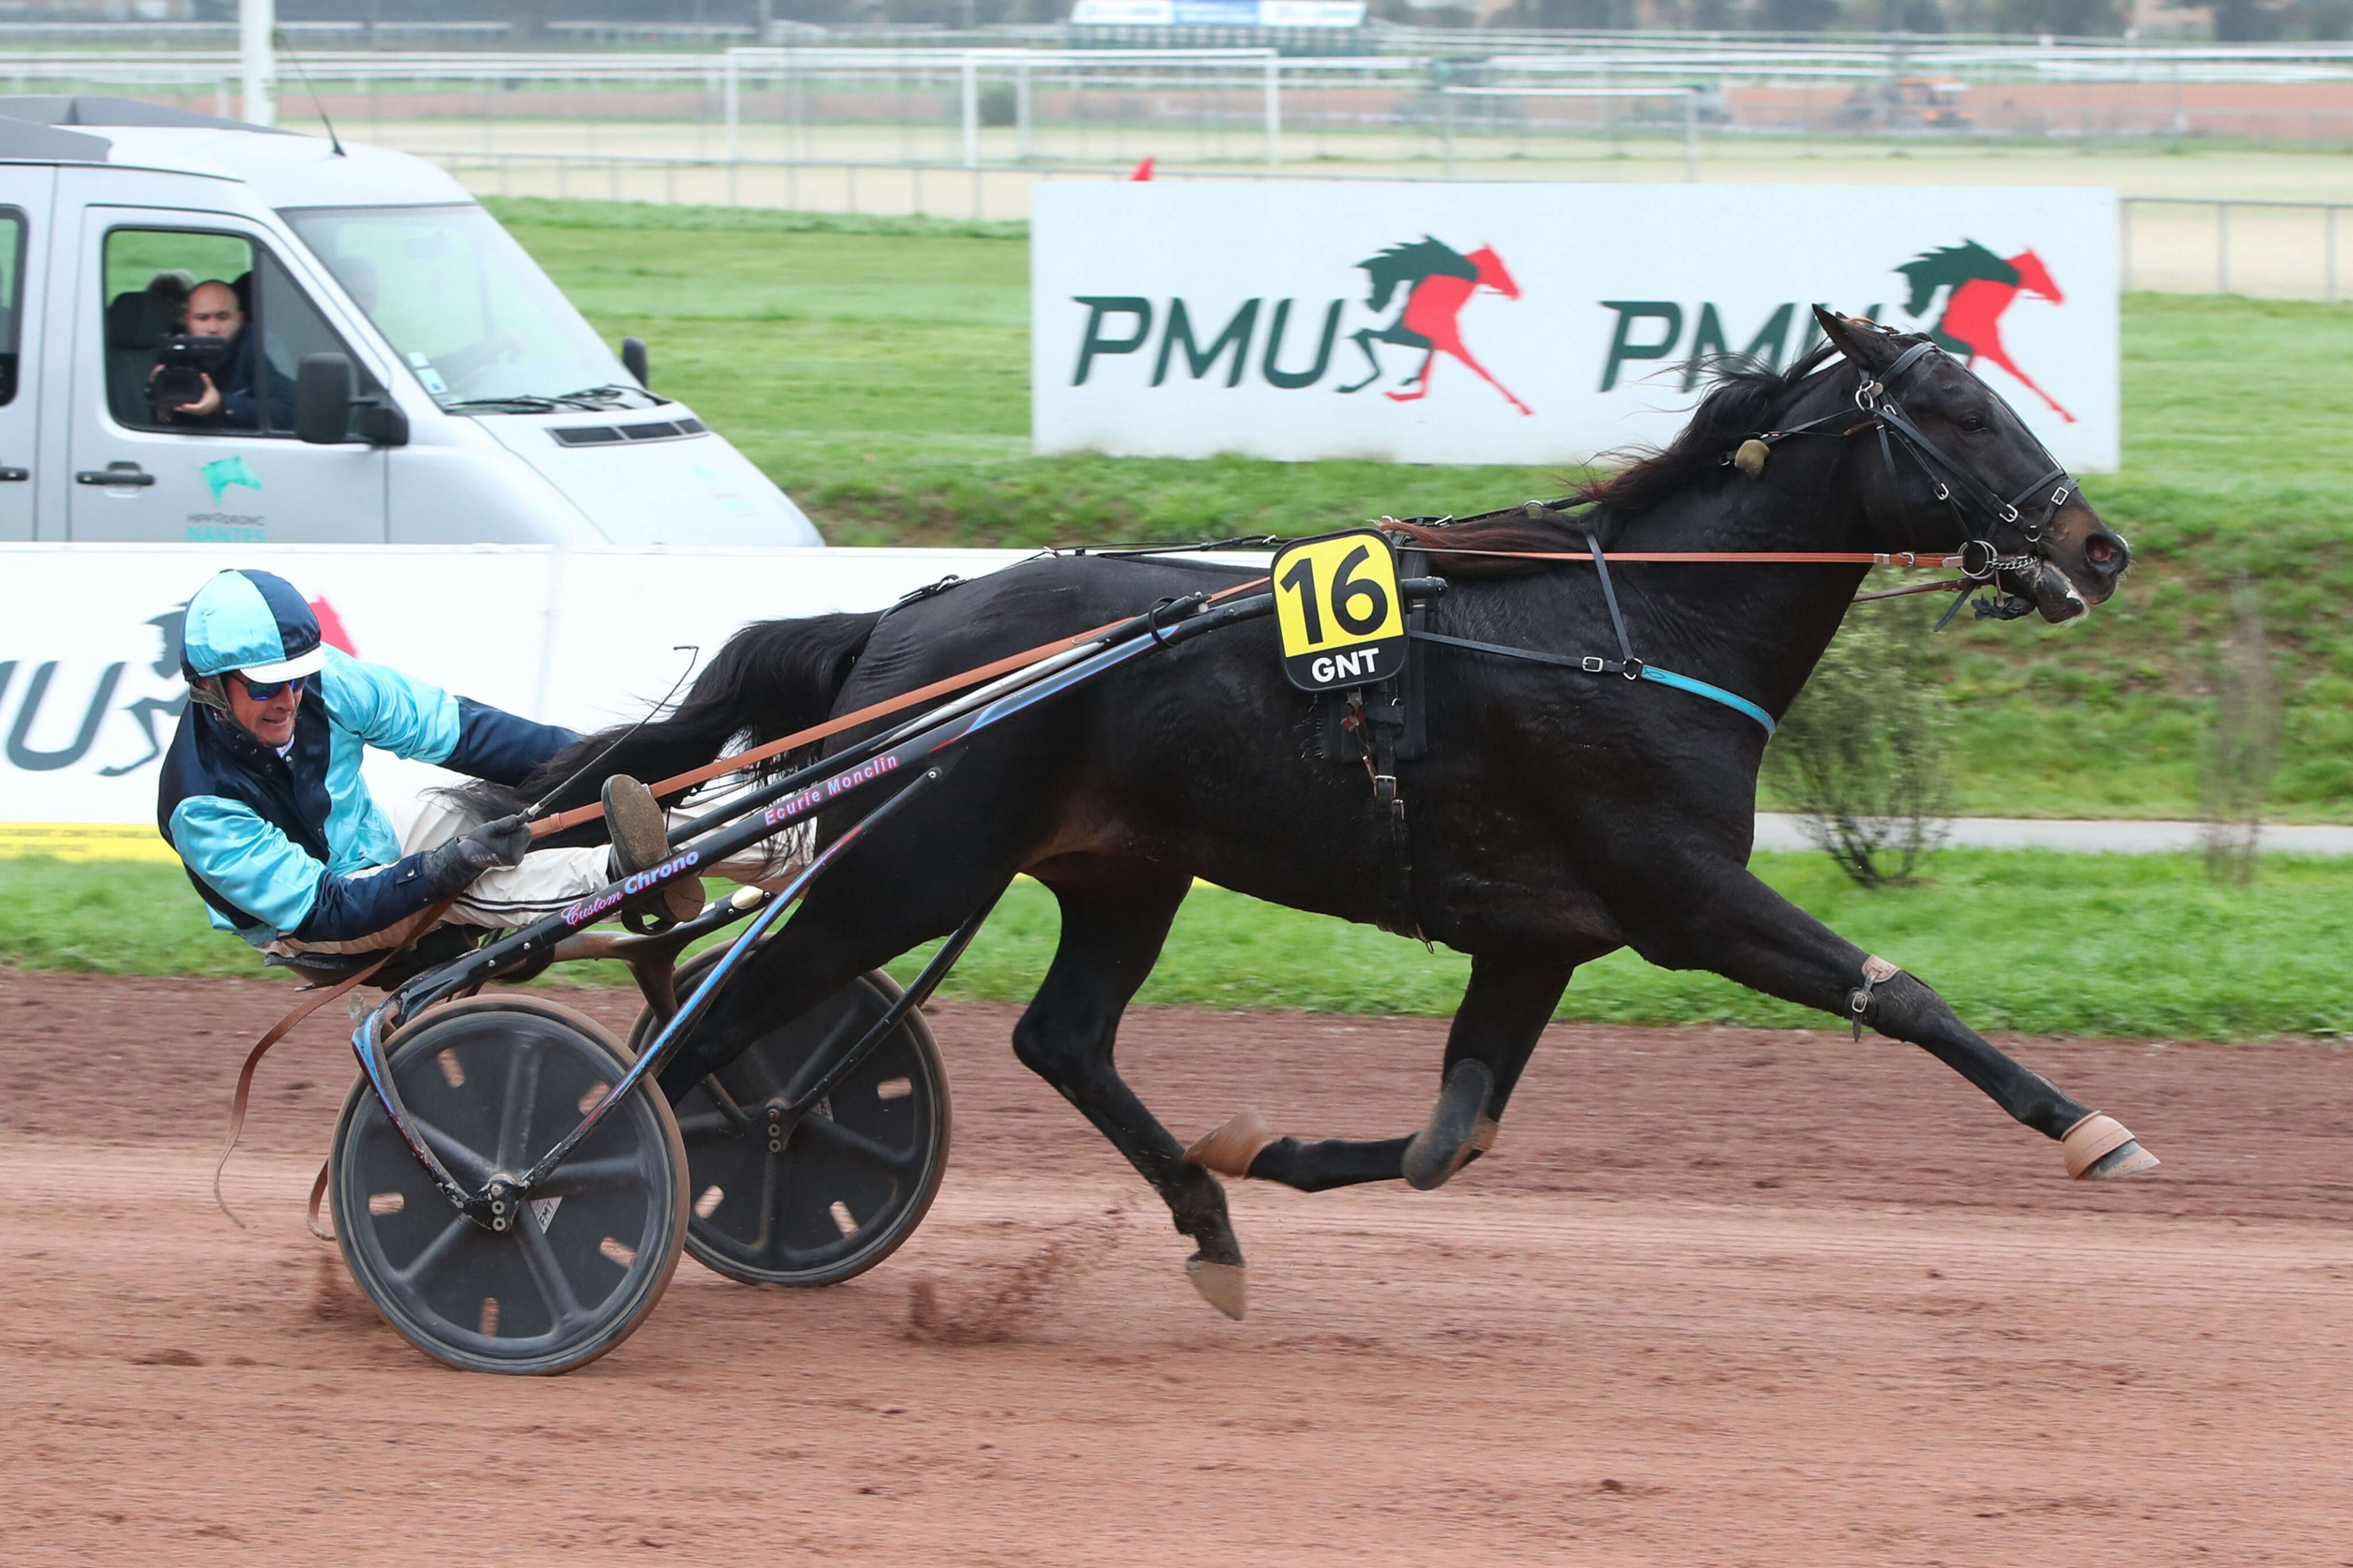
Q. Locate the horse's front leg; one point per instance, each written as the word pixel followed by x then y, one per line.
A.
pixel 1746 932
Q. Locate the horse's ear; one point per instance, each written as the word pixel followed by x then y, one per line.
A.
pixel 1859 341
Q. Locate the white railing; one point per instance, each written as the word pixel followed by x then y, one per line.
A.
pixel 2166 244
pixel 877 129
pixel 2255 246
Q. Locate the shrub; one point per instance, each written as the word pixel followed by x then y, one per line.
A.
pixel 1862 756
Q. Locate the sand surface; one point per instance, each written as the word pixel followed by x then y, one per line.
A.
pixel 1720 1296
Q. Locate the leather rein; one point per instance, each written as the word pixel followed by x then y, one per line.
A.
pixel 1975 508
pixel 1978 510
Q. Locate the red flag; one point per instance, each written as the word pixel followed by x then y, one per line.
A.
pixel 1142 171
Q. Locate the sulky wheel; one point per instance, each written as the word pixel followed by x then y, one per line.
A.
pixel 852 1181
pixel 492 1084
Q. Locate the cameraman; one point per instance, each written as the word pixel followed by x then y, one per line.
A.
pixel 235 401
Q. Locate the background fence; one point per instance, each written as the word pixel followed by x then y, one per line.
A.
pixel 1376 104
pixel 966 131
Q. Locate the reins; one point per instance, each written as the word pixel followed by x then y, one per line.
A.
pixel 736 761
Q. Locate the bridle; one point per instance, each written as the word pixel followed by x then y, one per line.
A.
pixel 1976 509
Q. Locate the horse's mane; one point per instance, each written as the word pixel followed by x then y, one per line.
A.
pixel 1743 401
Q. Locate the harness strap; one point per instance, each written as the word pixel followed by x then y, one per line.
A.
pixel 1632 669
pixel 1712 693
pixel 1397 911
pixel 1609 597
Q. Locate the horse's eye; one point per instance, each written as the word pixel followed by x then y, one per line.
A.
pixel 1976 423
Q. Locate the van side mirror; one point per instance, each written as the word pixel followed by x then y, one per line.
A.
pixel 327 415
pixel 322 400
pixel 633 359
pixel 381 424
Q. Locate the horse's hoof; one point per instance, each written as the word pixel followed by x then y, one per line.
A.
pixel 1460 1128
pixel 2126 1159
pixel 2098 1149
pixel 1225 1286
pixel 1228 1150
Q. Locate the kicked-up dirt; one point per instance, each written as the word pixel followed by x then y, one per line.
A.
pixel 1719 1296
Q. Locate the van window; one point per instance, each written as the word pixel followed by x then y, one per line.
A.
pixel 205 332
pixel 467 307
pixel 12 293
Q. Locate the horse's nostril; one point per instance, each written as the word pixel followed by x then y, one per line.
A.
pixel 2101 550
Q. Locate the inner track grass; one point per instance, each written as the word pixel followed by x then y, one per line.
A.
pixel 879 369
pixel 2038 944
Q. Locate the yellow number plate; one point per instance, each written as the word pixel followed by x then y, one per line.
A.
pixel 1337 602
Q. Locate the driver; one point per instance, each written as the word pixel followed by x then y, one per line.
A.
pixel 261 796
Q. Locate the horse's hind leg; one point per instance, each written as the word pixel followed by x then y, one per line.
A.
pixel 1748 932
pixel 1503 1012
pixel 1112 927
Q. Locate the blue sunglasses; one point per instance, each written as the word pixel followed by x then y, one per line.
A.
pixel 263 690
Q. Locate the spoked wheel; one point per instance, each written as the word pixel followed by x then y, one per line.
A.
pixel 849 1183
pixel 493 1083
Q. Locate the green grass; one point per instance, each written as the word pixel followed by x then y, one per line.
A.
pixel 2038 944
pixel 878 368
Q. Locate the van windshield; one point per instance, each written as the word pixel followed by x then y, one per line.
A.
pixel 473 315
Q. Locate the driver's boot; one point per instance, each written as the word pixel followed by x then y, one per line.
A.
pixel 641 841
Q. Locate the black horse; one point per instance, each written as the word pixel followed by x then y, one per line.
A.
pixel 1557 815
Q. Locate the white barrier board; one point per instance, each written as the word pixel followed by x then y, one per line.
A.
pixel 1526 322
pixel 89 649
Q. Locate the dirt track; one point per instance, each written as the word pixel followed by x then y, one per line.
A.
pixel 1719 1296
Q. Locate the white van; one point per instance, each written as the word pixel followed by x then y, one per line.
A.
pixel 211 333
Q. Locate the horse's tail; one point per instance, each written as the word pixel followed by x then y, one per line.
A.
pixel 771 679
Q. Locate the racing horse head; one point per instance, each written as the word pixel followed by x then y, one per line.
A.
pixel 2053 549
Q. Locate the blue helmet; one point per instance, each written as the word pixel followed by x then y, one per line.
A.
pixel 250 621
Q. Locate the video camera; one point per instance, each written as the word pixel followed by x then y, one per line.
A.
pixel 180 366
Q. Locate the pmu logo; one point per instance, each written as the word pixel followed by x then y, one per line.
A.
pixel 1979 286
pixel 1425 283
pixel 1975 286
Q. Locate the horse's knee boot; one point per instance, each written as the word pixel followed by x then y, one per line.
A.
pixel 1458 1130
pixel 1230 1149
pixel 2098 1149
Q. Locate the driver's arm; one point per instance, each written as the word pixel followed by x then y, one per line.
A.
pixel 411 719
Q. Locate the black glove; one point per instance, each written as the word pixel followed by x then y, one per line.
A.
pixel 454 865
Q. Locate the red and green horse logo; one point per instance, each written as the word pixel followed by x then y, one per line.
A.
pixel 1982 285
pixel 1438 281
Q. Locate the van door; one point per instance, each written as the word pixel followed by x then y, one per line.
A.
pixel 192 330
pixel 24 237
